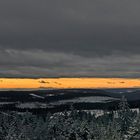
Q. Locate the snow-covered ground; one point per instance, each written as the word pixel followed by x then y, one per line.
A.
pixel 31 105
pixel 37 96
pixel 92 99
pixel 5 103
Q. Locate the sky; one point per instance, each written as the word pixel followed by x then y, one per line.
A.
pixel 60 83
pixel 70 38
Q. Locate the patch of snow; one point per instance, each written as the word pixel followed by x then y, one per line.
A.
pixel 32 105
pixel 37 96
pixel 95 99
pixel 50 94
pixel 6 103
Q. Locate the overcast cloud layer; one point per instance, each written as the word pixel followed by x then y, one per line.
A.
pixel 70 38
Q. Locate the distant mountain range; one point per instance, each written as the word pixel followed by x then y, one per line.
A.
pixel 61 99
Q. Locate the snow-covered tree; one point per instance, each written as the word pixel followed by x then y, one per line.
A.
pixel 124 115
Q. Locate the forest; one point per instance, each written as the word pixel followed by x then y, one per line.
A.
pixel 121 124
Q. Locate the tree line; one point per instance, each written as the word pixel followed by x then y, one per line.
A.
pixel 122 124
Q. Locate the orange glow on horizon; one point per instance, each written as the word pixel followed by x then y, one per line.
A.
pixel 69 83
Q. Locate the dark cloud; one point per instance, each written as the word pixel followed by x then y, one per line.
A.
pixel 69 38
pixel 111 82
pixel 57 83
pixel 122 82
pixel 43 82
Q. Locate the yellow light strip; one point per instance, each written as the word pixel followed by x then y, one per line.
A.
pixel 69 83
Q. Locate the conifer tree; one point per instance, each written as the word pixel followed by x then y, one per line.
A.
pixel 124 115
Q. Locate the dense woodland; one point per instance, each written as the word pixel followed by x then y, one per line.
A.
pixel 123 124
